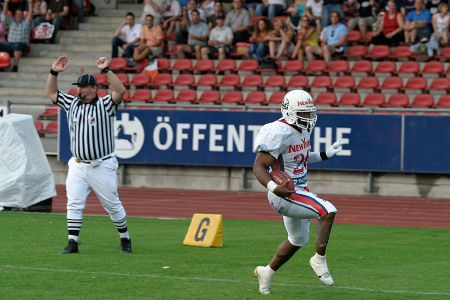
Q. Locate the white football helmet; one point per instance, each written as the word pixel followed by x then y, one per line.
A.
pixel 298 109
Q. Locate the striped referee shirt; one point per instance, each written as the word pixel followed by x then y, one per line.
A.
pixel 91 125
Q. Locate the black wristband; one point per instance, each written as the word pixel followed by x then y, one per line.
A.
pixel 53 72
pixel 323 155
pixel 105 70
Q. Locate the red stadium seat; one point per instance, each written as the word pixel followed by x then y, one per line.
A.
pixel 276 98
pixel 326 98
pixel 226 65
pixel 51 112
pixel 409 67
pixel 416 83
pixel 255 97
pixel 440 84
pixel 252 81
pixel 39 127
pixel 163 65
pixel 433 68
pixel 5 60
pixel 139 67
pixel 209 80
pixel 141 95
pixel 444 54
pixel 354 36
pixel 338 66
pixel 140 80
pixel 102 92
pixel 401 52
pixel 397 100
pixel 204 65
pixel 229 80
pixel 126 96
pixel 297 81
pixel 443 102
pixel 73 92
pixel 51 127
pixel 378 52
pixel 232 97
pixel 248 65
pixel 369 83
pixel 161 79
pixel 316 66
pixel 384 67
pixel 291 66
pixel 209 97
pixel 186 96
pixel 102 80
pixel 373 99
pixel 423 101
pixel 123 78
pixel 320 82
pixel 164 96
pixel 182 65
pixel 362 66
pixel 345 82
pixel 184 80
pixel 350 99
pixel 392 83
pixel 275 81
pixel 118 64
pixel 358 51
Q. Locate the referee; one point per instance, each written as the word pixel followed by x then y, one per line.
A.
pixel 93 165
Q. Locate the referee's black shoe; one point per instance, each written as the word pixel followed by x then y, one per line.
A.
pixel 72 247
pixel 125 245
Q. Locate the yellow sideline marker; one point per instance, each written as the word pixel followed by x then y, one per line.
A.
pixel 206 230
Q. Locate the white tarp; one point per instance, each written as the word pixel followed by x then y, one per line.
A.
pixel 25 174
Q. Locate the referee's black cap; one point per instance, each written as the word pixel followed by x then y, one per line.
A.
pixel 85 79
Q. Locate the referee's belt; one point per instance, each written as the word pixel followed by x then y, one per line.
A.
pixel 94 161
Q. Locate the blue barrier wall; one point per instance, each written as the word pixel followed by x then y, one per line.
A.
pixel 225 138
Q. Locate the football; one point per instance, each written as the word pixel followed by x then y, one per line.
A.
pixel 281 177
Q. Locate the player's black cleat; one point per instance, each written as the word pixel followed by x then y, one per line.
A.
pixel 125 245
pixel 72 247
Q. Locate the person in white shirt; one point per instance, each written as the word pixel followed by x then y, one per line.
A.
pixel 126 36
pixel 220 39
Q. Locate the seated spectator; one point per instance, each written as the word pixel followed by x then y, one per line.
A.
pixel 39 10
pixel 197 38
pixel 126 37
pixel 313 11
pixel 251 5
pixel 280 39
pixel 220 40
pixel 156 8
pixel 333 40
pixel 259 40
pixel 390 30
pixel 367 12
pixel 170 16
pixel 270 8
pixel 418 24
pixel 151 41
pixel 238 19
pixel 441 24
pixel 307 37
pixel 79 8
pixel 57 11
pixel 433 5
pixel 218 9
pixel 328 7
pixel 181 30
pixel 296 11
pixel 208 7
pixel 19 29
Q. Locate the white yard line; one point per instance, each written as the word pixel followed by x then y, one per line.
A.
pixel 9 268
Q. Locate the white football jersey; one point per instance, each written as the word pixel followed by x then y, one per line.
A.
pixel 289 145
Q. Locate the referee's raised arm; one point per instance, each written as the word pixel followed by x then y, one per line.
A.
pixel 114 82
pixel 59 65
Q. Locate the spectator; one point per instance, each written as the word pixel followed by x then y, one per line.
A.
pixel 197 38
pixel 208 7
pixel 17 4
pixel 314 12
pixel 390 31
pixel 218 9
pixel 251 5
pixel 365 18
pixel 238 19
pixel 19 29
pixel 307 37
pixel 57 11
pixel 260 40
pixel 296 11
pixel 440 21
pixel 406 7
pixel 418 24
pixel 333 40
pixel 39 10
pixel 271 8
pixel 151 41
pixel 181 31
pixel 328 7
pixel 156 8
pixel 170 16
pixel 79 4
pixel 126 37
pixel 433 5
pixel 280 39
pixel 220 39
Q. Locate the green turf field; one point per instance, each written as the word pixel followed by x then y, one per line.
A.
pixel 366 262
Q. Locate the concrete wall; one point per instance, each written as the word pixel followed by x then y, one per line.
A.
pixel 235 179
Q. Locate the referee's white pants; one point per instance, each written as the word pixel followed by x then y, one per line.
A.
pixel 102 179
pixel 297 211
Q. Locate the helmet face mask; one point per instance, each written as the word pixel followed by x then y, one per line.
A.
pixel 298 109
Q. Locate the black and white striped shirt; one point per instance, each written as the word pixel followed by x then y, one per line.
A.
pixel 91 125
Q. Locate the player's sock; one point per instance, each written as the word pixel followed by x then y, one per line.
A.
pixel 74 226
pixel 269 272
pixel 122 228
